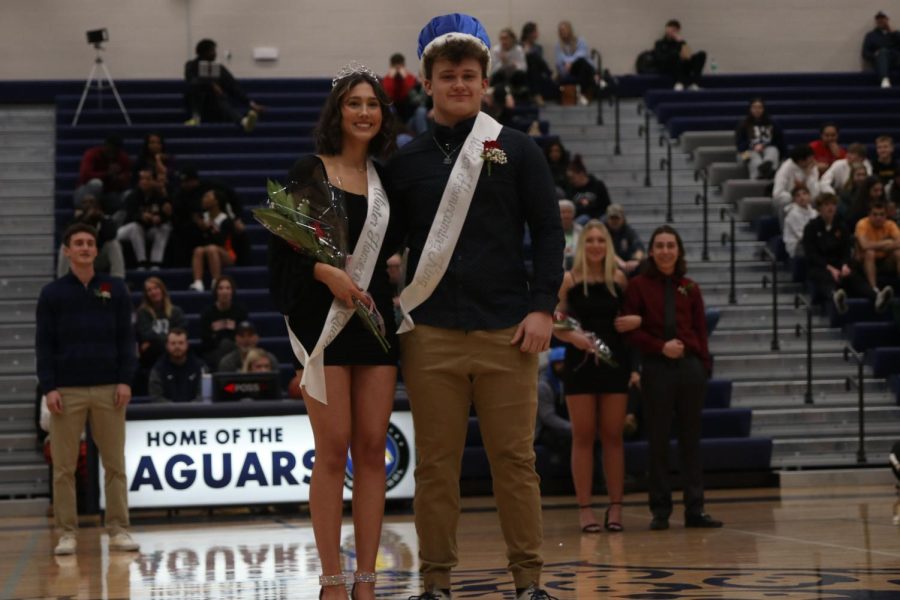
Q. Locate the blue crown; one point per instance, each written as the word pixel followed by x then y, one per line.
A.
pixel 441 29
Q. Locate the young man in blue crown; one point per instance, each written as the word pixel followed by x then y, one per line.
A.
pixel 474 322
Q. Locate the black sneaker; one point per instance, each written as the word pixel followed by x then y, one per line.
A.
pixel 840 301
pixel 883 298
pixel 659 523
pixel 702 520
pixel 532 592
pixel 766 170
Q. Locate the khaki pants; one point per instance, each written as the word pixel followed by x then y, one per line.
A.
pixel 108 430
pixel 446 371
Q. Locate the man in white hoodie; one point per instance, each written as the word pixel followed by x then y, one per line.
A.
pixel 797 215
pixel 799 169
pixel 838 174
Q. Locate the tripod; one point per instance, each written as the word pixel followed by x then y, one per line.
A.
pixel 98 62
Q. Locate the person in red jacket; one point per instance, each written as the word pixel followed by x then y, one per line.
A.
pixel 672 340
pixel 105 173
pixel 826 149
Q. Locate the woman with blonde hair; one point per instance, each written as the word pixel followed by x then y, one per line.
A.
pixel 597 391
pixel 156 316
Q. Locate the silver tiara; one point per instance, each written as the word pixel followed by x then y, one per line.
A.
pixel 352 68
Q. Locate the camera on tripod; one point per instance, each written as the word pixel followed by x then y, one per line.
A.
pixel 96 37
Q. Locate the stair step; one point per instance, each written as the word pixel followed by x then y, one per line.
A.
pixel 20 266
pixel 25 507
pixel 17 311
pixel 17 245
pixel 17 411
pixel 17 388
pixel 17 360
pixel 17 227
pixel 877 447
pixel 36 474
pixel 27 489
pixel 21 288
pixel 15 442
pixel 41 206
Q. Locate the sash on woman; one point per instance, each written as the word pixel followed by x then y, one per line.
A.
pixel 360 266
pixel 448 222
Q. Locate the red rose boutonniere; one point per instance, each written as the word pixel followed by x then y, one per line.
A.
pixel 492 153
pixel 684 289
pixel 104 292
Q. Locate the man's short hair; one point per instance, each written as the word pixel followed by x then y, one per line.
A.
pixel 828 124
pixel 177 331
pixel 800 152
pixel 397 59
pixel 857 149
pixel 826 198
pixel 75 228
pixel 204 46
pixel 455 51
pixel 673 23
pixel 800 187
pixel 884 138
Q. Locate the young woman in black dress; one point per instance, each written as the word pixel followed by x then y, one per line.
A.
pixel 355 125
pixel 597 393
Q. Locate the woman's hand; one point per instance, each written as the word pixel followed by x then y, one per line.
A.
pixel 339 283
pixel 634 381
pixel 580 341
pixel 627 323
pixel 674 348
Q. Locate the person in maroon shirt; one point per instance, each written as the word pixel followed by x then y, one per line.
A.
pixel 105 173
pixel 826 149
pixel 672 340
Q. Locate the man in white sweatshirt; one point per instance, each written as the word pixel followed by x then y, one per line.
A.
pixel 838 174
pixel 797 215
pixel 799 169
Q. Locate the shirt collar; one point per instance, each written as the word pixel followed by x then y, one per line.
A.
pixel 455 134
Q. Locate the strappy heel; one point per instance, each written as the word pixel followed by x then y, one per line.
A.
pixel 612 527
pixel 330 580
pixel 361 577
pixel 590 527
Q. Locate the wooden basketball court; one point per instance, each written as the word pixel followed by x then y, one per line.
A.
pixel 834 543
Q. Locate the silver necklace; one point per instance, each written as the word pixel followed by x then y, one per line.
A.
pixel 448 155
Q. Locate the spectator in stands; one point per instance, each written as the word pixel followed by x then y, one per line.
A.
pixel 881 48
pixel 177 374
pixel 219 321
pixel 508 78
pixel 827 246
pixel 156 317
pixel 571 229
pixel 258 361
pixel 673 57
pixel 797 215
pixel 540 76
pixel 109 258
pixel 838 174
pixel 404 90
pixel 596 391
pixel 885 166
pixel 553 429
pixel 246 339
pixel 216 247
pixel 878 243
pixel 153 156
pixel 826 149
pixel 872 190
pixel 587 192
pixel 148 215
pixel 676 364
pixel 105 173
pixel 759 141
pixel 212 91
pixel 798 169
pixel 573 64
pixel 626 242
pixel 858 178
pixel 558 159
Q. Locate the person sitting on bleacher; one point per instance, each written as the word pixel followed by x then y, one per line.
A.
pixel 871 191
pixel 507 77
pixel 177 375
pixel 878 247
pixel 247 339
pixel 881 48
pixel 827 246
pixel 589 194
pixel 626 241
pixel 109 257
pixel 797 215
pixel 216 247
pixel 798 169
pixel 540 76
pixel 405 92
pixel 838 174
pixel 153 156
pixel 211 89
pixel 148 214
pixel 155 318
pixel 673 57
pixel 759 141
pixel 558 159
pixel 105 173
pixel 826 149
pixel 219 321
pixel 573 65
pixel 571 230
pixel 858 178
pixel 885 167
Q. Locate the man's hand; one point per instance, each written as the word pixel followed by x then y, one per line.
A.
pixel 533 333
pixel 835 274
pixel 845 271
pixel 634 380
pixel 54 402
pixel 674 348
pixel 627 323
pixel 123 395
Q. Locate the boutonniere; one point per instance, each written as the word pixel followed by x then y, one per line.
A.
pixel 104 292
pixel 684 289
pixel 492 153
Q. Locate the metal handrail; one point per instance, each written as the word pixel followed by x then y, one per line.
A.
pixel 850 352
pixel 727 212
pixel 666 163
pixel 799 300
pixel 644 131
pixel 776 345
pixel 703 174
pixel 598 64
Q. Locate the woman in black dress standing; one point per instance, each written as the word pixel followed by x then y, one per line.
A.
pixel 596 392
pixel 360 377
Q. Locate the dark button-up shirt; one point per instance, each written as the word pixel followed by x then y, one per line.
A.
pixel 486 285
pixel 84 333
pixel 645 296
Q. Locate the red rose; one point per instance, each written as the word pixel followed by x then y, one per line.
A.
pixel 106 287
pixel 491 145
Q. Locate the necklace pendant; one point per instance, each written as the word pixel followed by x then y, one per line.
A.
pixel 446 160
